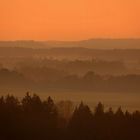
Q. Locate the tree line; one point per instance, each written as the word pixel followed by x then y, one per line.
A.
pixel 34 119
pixel 49 79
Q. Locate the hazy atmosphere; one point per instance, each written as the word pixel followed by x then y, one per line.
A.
pixel 69 70
pixel 69 20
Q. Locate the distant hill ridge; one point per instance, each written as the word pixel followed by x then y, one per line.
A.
pixel 91 43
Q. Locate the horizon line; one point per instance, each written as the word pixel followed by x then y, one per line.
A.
pixel 55 40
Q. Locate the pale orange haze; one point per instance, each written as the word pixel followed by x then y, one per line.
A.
pixel 69 19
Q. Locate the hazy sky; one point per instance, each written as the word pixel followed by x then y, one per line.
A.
pixel 69 19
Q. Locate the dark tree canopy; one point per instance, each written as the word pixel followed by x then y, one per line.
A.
pixel 34 119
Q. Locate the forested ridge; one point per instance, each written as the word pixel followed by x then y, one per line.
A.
pixel 46 79
pixel 32 118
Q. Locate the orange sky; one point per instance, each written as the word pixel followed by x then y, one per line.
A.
pixel 69 19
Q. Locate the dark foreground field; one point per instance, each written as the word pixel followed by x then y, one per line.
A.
pixel 34 119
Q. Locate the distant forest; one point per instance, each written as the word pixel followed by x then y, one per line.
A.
pixel 75 75
pixel 34 119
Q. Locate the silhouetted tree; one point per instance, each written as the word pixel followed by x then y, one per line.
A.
pixel 81 123
pixel 34 119
pixel 99 109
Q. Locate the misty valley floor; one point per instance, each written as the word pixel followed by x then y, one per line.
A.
pixel 128 101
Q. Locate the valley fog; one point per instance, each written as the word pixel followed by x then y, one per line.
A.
pixel 127 101
pixel 92 71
